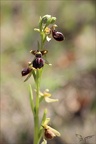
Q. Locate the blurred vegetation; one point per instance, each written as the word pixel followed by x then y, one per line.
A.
pixel 72 78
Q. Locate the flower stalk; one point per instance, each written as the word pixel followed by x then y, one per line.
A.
pixel 35 68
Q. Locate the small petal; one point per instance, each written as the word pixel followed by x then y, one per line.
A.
pixel 47 90
pixel 46 122
pixel 48 38
pixel 36 29
pixel 53 130
pixel 44 141
pixel 48 63
pixel 49 100
pixel 47 31
pixel 41 94
pixel 46 94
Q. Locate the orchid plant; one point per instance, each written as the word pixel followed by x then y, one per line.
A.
pixel 47 30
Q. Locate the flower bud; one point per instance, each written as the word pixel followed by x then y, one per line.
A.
pixel 46 18
pixel 53 19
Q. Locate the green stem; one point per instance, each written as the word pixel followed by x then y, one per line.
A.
pixel 41 41
pixel 36 129
pixel 36 116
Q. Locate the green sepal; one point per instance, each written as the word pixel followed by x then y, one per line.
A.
pixel 42 121
pixel 41 98
pixel 53 19
pixel 38 44
pixel 44 116
pixel 50 21
pixel 27 77
pixel 34 74
pixel 31 98
pixel 40 23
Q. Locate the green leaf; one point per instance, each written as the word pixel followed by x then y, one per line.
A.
pixel 31 98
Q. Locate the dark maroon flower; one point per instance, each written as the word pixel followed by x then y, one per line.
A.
pixel 38 62
pixel 57 35
pixel 25 71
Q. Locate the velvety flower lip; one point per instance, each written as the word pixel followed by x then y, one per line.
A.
pixel 57 35
pixel 25 71
pixel 38 63
pixel 28 71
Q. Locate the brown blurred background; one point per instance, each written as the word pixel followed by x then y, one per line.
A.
pixel 71 79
